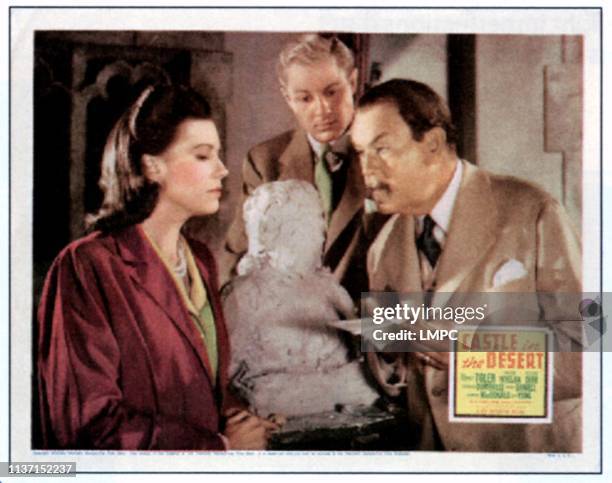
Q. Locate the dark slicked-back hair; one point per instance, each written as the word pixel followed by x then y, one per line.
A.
pixel 418 104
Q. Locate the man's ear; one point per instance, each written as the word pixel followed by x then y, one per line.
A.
pixel 285 94
pixel 435 140
pixel 353 80
pixel 152 167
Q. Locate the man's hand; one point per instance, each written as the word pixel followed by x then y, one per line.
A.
pixel 247 431
pixel 437 360
pixel 278 419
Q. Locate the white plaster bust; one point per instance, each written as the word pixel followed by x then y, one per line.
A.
pixel 285 227
pixel 284 357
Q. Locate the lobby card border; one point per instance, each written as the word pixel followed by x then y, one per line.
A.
pixel 297 454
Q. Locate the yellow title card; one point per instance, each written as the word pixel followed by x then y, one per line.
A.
pixel 501 375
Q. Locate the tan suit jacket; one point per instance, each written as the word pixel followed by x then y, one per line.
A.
pixel 495 219
pixel 289 156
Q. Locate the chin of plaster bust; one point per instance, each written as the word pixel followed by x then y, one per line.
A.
pixel 285 359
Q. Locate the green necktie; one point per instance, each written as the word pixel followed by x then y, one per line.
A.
pixel 323 182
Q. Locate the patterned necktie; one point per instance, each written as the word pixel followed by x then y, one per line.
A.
pixel 427 243
pixel 323 182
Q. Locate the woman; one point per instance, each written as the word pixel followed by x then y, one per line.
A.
pixel 133 350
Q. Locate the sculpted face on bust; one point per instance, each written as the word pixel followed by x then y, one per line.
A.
pixel 284 224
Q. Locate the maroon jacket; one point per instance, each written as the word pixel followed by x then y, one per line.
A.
pixel 120 361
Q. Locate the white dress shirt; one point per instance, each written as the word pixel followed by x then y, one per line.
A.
pixel 441 215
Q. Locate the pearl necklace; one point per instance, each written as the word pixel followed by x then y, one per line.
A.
pixel 180 268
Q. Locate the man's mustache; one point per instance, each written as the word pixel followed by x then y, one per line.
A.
pixel 379 186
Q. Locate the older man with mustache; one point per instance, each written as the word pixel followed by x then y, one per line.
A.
pixel 456 228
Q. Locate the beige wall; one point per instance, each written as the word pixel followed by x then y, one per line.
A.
pixel 418 57
pixel 256 111
pixel 528 102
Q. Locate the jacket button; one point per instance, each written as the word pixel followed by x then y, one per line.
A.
pixel 438 391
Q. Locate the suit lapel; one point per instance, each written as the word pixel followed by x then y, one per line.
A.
pixel 410 277
pixel 398 267
pixel 471 231
pixel 204 261
pixel 350 203
pixel 296 161
pixel 148 271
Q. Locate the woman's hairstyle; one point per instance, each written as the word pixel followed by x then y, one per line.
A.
pixel 148 127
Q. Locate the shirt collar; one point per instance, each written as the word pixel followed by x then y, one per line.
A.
pixel 443 209
pixel 317 147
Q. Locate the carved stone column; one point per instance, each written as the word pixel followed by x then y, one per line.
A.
pixel 563 120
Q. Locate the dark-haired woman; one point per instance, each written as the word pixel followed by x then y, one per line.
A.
pixel 133 349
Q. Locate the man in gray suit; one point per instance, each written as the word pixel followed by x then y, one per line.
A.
pixel 318 80
pixel 457 228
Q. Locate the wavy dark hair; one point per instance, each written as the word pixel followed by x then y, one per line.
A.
pixel 418 104
pixel 147 127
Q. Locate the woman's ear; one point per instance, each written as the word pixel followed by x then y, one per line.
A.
pixel 152 168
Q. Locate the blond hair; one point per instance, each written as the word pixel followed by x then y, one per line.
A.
pixel 308 49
